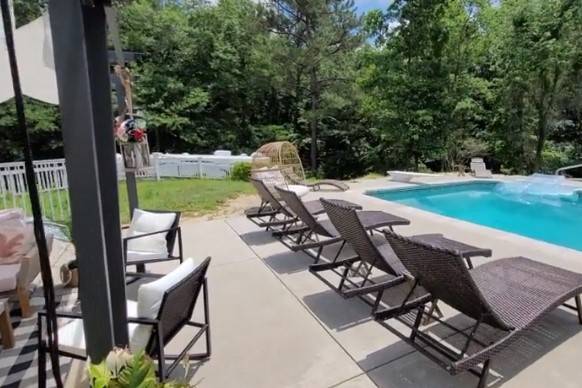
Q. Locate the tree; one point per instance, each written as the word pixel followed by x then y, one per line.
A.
pixel 317 34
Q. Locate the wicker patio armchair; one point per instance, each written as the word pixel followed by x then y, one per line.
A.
pixel 313 233
pixel 378 254
pixel 170 301
pixel 510 295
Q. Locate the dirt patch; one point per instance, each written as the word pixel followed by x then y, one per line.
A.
pixel 231 207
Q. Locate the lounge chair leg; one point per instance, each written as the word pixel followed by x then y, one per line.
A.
pixel 207 318
pixel 417 322
pixel 430 312
pixel 337 255
pixel 484 374
pixel 6 329
pixel 579 308
pixel 344 277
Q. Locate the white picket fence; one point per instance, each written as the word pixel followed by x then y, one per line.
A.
pixel 51 178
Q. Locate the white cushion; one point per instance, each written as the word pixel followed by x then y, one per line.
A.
pixel 149 300
pixel 147 222
pixel 136 256
pixel 8 276
pixel 72 335
pixel 16 237
pixel 270 177
pixel 300 190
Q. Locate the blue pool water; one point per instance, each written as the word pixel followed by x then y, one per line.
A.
pixel 555 218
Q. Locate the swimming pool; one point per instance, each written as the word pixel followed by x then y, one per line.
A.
pixel 555 219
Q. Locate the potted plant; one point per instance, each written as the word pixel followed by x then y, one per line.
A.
pixel 121 369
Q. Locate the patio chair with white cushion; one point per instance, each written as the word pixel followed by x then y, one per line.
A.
pixel 163 308
pixel 479 169
pixel 151 237
pixel 16 279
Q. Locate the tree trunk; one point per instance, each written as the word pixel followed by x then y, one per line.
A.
pixel 315 94
pixel 542 121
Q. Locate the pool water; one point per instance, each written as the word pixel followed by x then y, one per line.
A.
pixel 555 219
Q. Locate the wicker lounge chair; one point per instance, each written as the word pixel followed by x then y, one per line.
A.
pixel 313 233
pixel 510 295
pixel 377 254
pixel 273 212
pixel 166 306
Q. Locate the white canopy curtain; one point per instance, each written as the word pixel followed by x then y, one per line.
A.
pixel 34 53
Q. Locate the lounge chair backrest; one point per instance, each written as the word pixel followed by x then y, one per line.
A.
pixel 348 224
pixel 296 205
pixel 270 177
pixel 266 194
pixel 172 234
pixel 178 305
pixel 444 274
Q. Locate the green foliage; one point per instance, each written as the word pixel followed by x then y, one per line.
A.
pixel 241 171
pixel 452 79
pixel 122 370
pixel 420 82
pixel 43 124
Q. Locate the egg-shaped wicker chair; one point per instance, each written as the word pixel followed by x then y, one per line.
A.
pixel 283 156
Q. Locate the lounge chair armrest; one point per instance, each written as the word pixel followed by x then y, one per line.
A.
pixel 151 233
pixel 143 321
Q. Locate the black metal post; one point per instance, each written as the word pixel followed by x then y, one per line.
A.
pixel 133 200
pixel 79 40
pixel 39 235
pixel 132 196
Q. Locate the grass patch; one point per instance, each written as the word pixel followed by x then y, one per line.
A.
pixel 190 196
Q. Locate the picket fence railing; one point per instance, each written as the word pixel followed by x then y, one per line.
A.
pixel 51 178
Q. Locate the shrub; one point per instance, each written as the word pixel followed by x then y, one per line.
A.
pixel 241 171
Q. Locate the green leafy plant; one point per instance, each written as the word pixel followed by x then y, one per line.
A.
pixel 241 171
pixel 121 369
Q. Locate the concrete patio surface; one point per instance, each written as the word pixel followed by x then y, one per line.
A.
pixel 274 324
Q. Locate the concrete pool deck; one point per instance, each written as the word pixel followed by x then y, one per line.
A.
pixel 274 324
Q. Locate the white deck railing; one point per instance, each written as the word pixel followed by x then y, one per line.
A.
pixel 51 178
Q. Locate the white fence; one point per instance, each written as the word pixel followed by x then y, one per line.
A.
pixel 51 177
pixel 215 166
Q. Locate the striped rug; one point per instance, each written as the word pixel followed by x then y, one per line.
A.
pixel 18 367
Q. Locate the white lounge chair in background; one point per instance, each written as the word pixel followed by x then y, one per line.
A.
pixel 407 176
pixel 479 169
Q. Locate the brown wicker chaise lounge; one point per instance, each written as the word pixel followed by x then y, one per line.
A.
pixel 378 254
pixel 313 233
pixel 273 212
pixel 510 295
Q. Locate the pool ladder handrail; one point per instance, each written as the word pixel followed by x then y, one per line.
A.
pixel 562 169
